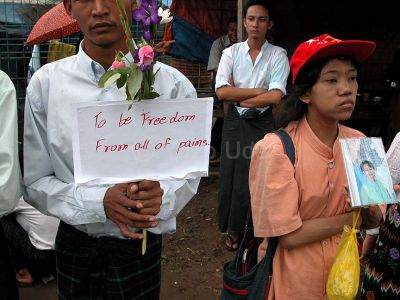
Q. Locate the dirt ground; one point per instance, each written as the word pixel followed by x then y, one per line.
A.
pixel 192 259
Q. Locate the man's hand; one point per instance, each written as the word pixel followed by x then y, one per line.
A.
pixel 124 211
pixel 148 194
pixel 163 46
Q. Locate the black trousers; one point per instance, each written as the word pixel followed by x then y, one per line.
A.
pixel 8 283
pixel 23 254
pixel 239 134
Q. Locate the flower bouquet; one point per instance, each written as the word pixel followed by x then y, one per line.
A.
pixel 137 76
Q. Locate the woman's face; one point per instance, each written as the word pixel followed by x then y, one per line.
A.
pixel 333 96
pixel 369 172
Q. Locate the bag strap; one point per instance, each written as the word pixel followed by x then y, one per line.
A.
pixel 287 143
pixel 261 288
pixel 289 149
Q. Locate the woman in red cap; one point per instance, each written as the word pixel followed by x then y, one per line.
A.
pixel 306 206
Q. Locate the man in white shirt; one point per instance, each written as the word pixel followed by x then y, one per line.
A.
pixel 251 77
pixel 10 178
pixel 98 246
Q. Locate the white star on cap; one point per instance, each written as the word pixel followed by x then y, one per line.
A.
pixel 311 41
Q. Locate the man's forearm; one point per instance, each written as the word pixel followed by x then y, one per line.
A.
pixel 235 94
pixel 273 97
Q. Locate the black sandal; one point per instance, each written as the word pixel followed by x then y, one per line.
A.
pixel 232 244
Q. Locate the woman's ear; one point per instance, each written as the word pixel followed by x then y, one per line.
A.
pixel 67 6
pixel 305 98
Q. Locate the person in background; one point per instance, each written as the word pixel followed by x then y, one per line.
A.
pixel 98 244
pixel 220 44
pixel 217 47
pixel 381 247
pixel 10 178
pixel 306 205
pixel 31 236
pixel 251 78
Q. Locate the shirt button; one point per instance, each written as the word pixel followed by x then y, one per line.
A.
pixel 331 165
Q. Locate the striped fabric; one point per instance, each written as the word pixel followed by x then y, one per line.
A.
pixel 382 274
pixel 106 267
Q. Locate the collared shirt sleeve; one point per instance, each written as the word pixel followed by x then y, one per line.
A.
pixel 215 54
pixel 280 73
pixel 225 68
pixel 50 195
pixel 177 193
pixel 273 189
pixel 10 177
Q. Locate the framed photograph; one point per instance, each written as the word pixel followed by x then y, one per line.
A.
pixel 367 172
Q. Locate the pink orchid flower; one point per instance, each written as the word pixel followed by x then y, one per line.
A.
pixel 118 65
pixel 146 55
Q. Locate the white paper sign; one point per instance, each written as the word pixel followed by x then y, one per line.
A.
pixel 155 139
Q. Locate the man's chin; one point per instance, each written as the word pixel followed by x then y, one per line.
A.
pixel 105 42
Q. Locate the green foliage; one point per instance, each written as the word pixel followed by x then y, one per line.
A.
pixel 134 82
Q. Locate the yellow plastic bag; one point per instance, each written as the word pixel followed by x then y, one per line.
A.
pixel 344 276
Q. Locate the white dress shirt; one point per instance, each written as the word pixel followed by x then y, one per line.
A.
pixel 10 175
pixel 269 71
pixel 48 161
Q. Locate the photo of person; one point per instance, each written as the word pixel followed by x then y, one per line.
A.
pixel 372 189
pixel 367 172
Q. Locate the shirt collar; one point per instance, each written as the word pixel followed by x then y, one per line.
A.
pixel 247 47
pixel 91 68
pixel 226 41
pixel 314 141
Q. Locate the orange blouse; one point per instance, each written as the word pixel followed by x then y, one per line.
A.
pixel 283 196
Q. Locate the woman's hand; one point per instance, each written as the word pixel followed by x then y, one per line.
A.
pixel 371 216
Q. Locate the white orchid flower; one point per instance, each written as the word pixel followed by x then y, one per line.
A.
pixel 165 15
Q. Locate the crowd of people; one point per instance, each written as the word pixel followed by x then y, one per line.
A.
pixel 89 238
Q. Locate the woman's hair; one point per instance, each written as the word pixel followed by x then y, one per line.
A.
pixel 368 163
pixel 292 108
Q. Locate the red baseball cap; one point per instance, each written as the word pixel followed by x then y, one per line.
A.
pixel 326 45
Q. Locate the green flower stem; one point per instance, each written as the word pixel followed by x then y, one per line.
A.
pixel 144 241
pixel 125 24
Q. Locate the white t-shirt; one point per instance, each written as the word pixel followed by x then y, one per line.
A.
pixel 42 229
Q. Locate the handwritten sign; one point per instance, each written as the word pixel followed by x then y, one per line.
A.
pixel 156 139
